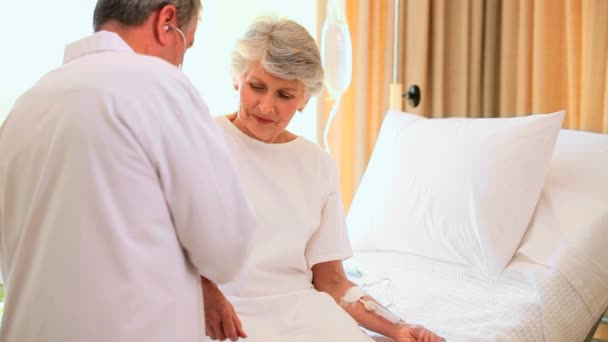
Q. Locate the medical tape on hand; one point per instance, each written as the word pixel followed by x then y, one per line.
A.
pixel 355 294
pixel 380 311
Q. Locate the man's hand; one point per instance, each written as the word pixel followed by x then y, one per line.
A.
pixel 221 321
pixel 415 333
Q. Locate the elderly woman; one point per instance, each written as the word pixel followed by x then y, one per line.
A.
pixel 293 286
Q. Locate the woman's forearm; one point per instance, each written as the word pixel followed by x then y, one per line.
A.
pixel 366 319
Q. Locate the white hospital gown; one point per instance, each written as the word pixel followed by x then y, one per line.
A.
pixel 294 189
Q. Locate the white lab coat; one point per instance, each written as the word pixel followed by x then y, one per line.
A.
pixel 116 191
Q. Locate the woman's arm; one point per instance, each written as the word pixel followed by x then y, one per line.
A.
pixel 330 277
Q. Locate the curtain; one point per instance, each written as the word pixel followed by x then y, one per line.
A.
pixel 472 58
pixel 493 58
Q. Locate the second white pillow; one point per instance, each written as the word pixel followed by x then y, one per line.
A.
pixel 459 190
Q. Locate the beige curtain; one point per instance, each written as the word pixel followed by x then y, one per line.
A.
pixel 472 58
pixel 492 58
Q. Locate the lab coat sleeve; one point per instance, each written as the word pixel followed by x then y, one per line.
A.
pixel 213 221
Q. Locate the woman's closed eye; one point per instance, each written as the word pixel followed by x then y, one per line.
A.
pixel 257 87
pixel 285 96
pixel 261 88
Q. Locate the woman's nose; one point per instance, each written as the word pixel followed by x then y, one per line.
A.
pixel 266 105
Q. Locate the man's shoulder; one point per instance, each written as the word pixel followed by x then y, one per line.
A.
pixel 142 68
pixel 124 73
pixel 125 65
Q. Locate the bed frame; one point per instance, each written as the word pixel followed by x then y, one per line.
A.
pixel 602 320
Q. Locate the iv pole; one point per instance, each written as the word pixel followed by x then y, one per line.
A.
pixel 396 88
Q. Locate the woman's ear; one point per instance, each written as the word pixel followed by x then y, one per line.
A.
pixel 301 108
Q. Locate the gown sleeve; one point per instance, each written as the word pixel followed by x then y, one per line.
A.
pixel 330 240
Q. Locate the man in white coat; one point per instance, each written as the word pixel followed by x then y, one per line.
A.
pixel 116 189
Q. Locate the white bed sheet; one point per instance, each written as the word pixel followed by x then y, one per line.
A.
pixel 528 302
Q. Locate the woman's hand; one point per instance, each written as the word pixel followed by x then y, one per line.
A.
pixel 221 321
pixel 415 333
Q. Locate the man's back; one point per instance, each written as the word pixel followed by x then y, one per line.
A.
pixel 93 207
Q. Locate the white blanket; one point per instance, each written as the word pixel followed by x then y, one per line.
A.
pixel 528 302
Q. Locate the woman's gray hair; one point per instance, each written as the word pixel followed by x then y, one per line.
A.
pixel 135 12
pixel 284 48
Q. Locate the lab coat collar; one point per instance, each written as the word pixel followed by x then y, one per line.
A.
pixel 98 42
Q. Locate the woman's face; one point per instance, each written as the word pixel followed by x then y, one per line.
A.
pixel 267 103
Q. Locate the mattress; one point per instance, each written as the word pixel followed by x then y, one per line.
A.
pixel 528 302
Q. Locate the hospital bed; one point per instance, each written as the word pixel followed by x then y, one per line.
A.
pixel 555 286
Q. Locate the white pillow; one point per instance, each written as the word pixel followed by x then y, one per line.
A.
pixel 460 190
pixel 569 230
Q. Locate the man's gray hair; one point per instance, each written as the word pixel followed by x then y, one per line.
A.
pixel 135 12
pixel 284 48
